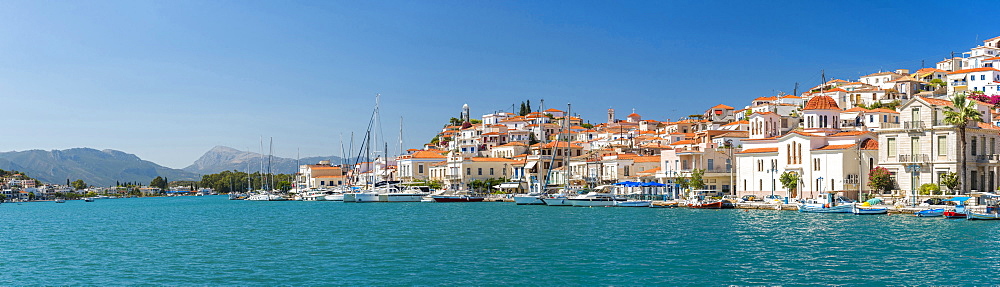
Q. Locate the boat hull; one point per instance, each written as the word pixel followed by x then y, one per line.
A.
pixel 983 216
pixel 366 197
pixel 556 201
pixel 401 197
pixel 634 203
pixel 664 205
pixel 590 203
pixel 709 205
pixel 439 198
pixel 953 214
pixel 930 213
pixel 869 210
pixel 528 200
pixel 824 209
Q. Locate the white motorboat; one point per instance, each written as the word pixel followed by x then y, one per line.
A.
pixel 556 200
pixel 266 197
pixel 409 194
pixel 634 203
pixel 88 199
pixel 858 209
pixel 529 199
pixel 595 199
pixel 60 200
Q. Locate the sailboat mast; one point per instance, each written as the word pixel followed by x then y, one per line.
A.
pixel 270 151
pixel 261 173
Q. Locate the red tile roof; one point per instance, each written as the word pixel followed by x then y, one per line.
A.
pixel 821 103
pixel 974 70
pixel 869 144
pixel 721 106
pixel 759 150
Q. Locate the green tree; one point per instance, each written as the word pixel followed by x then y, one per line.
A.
pixel 879 179
pixel 961 112
pixel 937 83
pixel 475 121
pixel 455 122
pixel 929 188
pixel 697 181
pixel 587 126
pixel 683 182
pixel 159 182
pixel 950 180
pixel 283 185
pixel 3 198
pixel 78 184
pixel 789 180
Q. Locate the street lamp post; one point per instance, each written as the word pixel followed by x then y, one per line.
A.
pixel 732 167
pixel 819 187
pixel 914 170
pixel 772 171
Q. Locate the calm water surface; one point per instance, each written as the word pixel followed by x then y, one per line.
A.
pixel 214 241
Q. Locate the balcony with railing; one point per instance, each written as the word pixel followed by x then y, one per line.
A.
pixel 988 158
pixel 913 158
pixel 913 125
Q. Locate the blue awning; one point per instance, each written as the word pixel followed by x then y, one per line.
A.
pixel 959 199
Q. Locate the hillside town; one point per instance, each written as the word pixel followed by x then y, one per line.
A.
pixel 830 137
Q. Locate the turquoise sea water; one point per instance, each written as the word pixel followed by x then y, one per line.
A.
pixel 215 241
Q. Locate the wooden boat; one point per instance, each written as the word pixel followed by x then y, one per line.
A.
pixel 825 208
pixel 860 210
pixel 930 212
pixel 457 198
pixel 983 216
pixel 663 204
pixel 706 205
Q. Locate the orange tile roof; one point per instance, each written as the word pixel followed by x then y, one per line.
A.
pixel 869 144
pixel 721 106
pixel 836 147
pixel 974 70
pixel 988 126
pixel 765 99
pixel 683 142
pixel 937 102
pixel 836 90
pixel 855 109
pixel 428 154
pixel 490 159
pixel 759 150
pixel 553 110
pixel 884 110
pixel 790 97
pixel 646 159
pixel 821 103
pixel 849 133
pixel 991 59
pixel 737 123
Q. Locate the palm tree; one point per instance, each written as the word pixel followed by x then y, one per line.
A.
pixel 961 112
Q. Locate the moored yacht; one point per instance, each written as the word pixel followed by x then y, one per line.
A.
pixel 595 199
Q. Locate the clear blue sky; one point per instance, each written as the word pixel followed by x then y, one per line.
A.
pixel 168 80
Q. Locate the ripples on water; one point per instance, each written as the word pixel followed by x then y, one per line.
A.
pixel 214 241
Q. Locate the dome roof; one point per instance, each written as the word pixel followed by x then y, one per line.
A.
pixel 821 103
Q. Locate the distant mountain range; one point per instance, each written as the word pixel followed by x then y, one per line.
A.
pixel 223 158
pixel 105 167
pixel 95 167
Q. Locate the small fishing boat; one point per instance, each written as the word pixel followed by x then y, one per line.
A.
pixel 556 200
pixel 633 203
pixel 982 216
pixel 88 199
pixel 663 204
pixel 930 212
pixel 707 205
pixel 60 200
pixel 457 198
pixel 861 210
pixel 959 211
